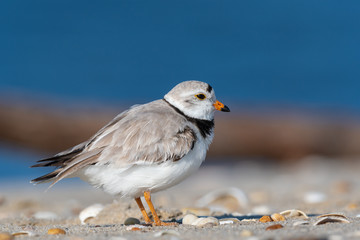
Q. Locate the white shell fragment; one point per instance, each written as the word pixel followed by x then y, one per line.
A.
pixel 90 212
pixel 325 220
pixel 228 221
pixel 294 214
pixel 208 221
pixel 43 215
pixel 336 215
pixel 314 197
pixel 300 223
pixel 234 192
pixel 188 219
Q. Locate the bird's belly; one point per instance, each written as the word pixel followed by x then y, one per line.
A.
pixel 133 180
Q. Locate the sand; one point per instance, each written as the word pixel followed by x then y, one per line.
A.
pixel 316 186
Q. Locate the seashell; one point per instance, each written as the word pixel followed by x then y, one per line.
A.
pixel 135 227
pixel 265 219
pixel 228 221
pixel 249 220
pixel 236 193
pixel 45 215
pixel 294 214
pixel 131 221
pixel 300 223
pixel 167 232
pixel 336 215
pixel 23 233
pixel 274 227
pixel 90 212
pixel 314 197
pixel 197 211
pixel 246 233
pixel 208 221
pixel 56 231
pixel 189 219
pixel 6 236
pixel 261 210
pixel 276 217
pixel 325 220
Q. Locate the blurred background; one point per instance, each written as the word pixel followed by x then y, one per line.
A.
pixel 288 70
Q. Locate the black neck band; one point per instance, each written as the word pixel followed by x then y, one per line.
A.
pixel 205 126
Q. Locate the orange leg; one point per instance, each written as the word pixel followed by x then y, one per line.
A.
pixel 157 221
pixel 143 211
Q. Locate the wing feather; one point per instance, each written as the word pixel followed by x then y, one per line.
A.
pixel 145 134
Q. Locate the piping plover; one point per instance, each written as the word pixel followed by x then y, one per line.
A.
pixel 145 149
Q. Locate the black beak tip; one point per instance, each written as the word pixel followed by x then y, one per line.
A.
pixel 225 109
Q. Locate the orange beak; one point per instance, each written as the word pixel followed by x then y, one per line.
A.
pixel 221 107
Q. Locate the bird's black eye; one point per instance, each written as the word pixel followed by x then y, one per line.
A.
pixel 200 96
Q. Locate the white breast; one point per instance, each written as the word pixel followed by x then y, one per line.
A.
pixel 132 181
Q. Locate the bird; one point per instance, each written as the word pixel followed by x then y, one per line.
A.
pixel 145 149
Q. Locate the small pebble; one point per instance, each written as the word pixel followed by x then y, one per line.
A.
pixel 265 219
pixel 55 231
pixel 131 221
pixel 274 227
pixel 6 236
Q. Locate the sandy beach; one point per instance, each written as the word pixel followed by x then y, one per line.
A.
pixel 238 194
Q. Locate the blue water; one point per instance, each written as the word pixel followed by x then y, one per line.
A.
pixel 264 52
pixel 302 53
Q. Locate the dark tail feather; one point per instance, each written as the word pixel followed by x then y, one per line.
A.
pixel 46 178
pixel 57 160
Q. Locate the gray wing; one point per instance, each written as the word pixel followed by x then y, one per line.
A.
pixel 150 133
